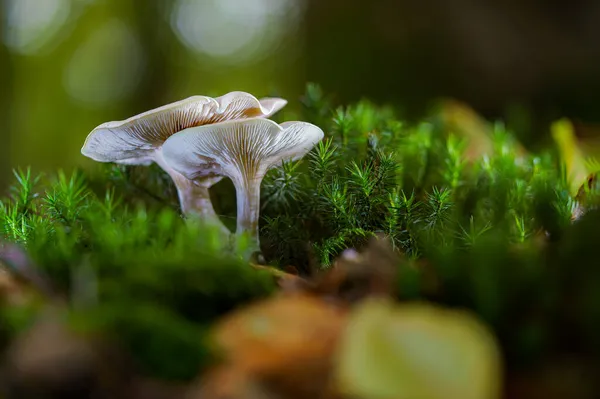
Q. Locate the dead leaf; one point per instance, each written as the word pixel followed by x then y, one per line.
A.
pixel 355 276
pixel 285 343
pixel 289 283
pixel 228 383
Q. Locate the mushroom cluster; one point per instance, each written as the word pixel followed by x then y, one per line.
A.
pixel 200 140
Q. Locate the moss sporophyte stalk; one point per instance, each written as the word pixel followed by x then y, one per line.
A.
pixel 487 229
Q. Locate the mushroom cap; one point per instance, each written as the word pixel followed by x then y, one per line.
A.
pixel 133 141
pixel 249 147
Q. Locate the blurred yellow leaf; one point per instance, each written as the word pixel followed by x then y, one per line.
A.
pixel 563 133
pixel 466 123
pixel 588 138
pixel 417 350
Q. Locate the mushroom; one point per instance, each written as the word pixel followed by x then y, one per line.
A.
pixel 139 140
pixel 243 150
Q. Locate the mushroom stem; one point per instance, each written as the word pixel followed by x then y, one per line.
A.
pixel 194 197
pixel 248 208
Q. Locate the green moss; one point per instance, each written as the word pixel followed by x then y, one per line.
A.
pixel 115 244
pixel 140 274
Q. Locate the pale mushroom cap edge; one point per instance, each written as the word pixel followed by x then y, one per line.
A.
pixel 134 140
pixel 250 146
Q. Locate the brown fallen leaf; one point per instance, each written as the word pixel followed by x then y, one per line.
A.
pixel 227 383
pixel 288 282
pixel 285 343
pixel 355 276
pixel 272 270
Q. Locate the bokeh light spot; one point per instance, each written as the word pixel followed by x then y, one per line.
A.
pixel 234 30
pixel 32 24
pixel 107 67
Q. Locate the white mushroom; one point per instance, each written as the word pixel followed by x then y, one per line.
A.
pixel 139 139
pixel 244 151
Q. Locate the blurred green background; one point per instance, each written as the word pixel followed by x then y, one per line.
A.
pixel 69 65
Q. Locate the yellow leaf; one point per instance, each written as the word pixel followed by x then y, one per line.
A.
pixel 564 134
pixel 417 351
pixel 466 123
